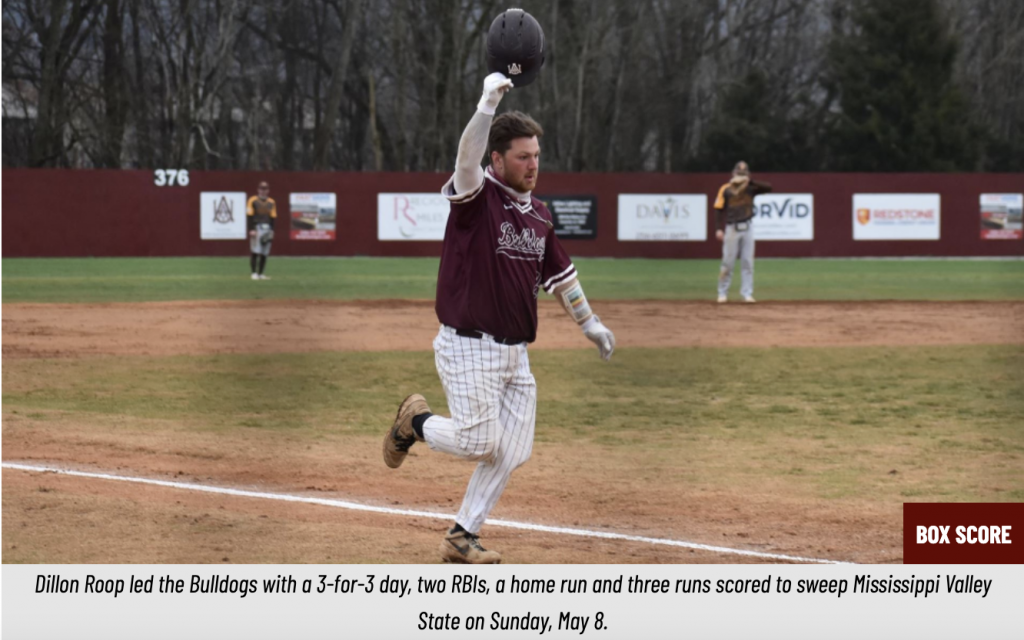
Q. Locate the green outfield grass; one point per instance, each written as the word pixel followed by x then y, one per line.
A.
pixel 879 424
pixel 152 279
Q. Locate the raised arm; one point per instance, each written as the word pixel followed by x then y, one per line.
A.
pixel 757 186
pixel 473 144
pixel 570 294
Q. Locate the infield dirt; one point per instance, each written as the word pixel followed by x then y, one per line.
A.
pixel 50 518
pixel 173 328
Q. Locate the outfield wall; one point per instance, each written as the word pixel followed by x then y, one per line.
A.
pixel 64 213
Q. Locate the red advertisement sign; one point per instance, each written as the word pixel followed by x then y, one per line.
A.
pixel 963 533
pixel 1001 216
pixel 313 216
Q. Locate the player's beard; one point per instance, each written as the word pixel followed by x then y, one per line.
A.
pixel 521 185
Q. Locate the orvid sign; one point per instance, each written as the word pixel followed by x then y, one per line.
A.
pixel 784 216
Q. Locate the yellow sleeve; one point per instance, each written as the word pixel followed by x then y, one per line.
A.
pixel 248 206
pixel 720 200
pixel 273 207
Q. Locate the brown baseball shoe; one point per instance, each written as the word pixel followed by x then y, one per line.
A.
pixel 401 435
pixel 464 548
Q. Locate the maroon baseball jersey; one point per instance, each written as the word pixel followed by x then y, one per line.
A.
pixel 498 251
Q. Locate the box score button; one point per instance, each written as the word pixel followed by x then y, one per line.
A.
pixel 963 533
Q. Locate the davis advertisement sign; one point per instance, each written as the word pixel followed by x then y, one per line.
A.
pixel 411 216
pixel 313 216
pixel 222 215
pixel 663 217
pixel 784 216
pixel 1001 216
pixel 896 216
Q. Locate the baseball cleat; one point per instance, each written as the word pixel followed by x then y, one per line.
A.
pixel 722 299
pixel 263 277
pixel 401 435
pixel 255 276
pixel 749 299
pixel 464 548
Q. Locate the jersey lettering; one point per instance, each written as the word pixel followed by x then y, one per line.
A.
pixel 522 246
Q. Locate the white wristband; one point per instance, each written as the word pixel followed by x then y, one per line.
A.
pixel 590 322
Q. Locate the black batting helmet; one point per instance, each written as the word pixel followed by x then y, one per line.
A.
pixel 515 46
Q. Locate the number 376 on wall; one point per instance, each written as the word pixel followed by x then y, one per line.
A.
pixel 170 177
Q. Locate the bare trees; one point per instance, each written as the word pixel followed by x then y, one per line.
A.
pixel 991 66
pixel 45 57
pixel 655 85
pixel 118 82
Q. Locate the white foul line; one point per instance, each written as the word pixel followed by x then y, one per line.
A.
pixel 355 506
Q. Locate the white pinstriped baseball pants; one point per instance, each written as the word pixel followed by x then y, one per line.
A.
pixel 492 397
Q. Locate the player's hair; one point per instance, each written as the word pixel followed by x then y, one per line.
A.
pixel 509 126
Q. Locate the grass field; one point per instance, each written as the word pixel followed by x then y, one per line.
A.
pixel 152 279
pixel 829 422
pixel 698 443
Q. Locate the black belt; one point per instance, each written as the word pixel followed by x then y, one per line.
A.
pixel 479 335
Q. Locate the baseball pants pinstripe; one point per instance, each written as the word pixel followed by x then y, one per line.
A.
pixel 737 244
pixel 492 397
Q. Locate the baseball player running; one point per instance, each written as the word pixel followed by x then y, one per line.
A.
pixel 260 215
pixel 734 212
pixel 499 250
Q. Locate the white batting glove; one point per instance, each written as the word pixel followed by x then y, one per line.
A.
pixel 496 85
pixel 600 335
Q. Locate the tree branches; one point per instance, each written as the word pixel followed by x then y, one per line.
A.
pixel 665 85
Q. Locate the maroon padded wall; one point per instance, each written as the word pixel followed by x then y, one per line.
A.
pixel 48 212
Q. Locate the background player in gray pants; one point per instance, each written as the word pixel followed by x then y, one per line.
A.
pixel 734 213
pixel 260 214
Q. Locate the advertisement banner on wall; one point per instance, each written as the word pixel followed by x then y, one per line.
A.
pixel 411 216
pixel 784 216
pixel 1001 216
pixel 663 217
pixel 313 216
pixel 575 217
pixel 222 215
pixel 896 216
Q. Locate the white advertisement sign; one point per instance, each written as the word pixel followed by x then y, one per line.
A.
pixel 411 216
pixel 896 216
pixel 784 216
pixel 222 215
pixel 663 216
